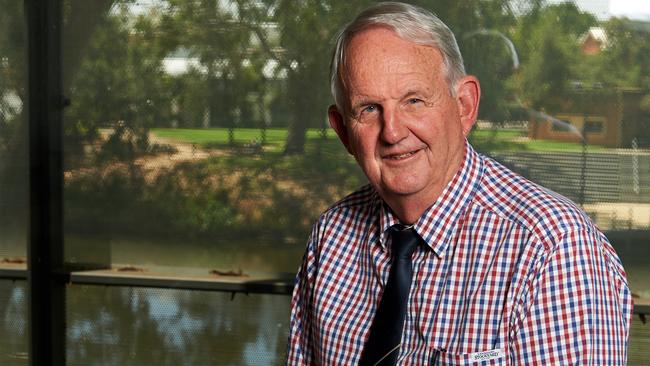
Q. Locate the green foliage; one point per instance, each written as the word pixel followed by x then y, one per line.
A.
pixel 481 29
pixel 545 80
pixel 645 104
pixel 14 164
pixel 13 77
pixel 564 19
pixel 269 197
pixel 307 32
pixel 492 71
pixel 548 40
pixel 625 61
pixel 261 62
pixel 119 85
pixel 120 77
pixel 227 88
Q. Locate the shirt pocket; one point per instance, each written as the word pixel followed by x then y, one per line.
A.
pixel 494 357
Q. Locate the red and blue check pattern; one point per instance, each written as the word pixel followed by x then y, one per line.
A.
pixel 512 274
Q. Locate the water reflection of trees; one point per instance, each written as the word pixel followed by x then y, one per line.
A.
pixel 142 326
pixel 13 323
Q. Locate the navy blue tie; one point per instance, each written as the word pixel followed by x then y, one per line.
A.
pixel 383 344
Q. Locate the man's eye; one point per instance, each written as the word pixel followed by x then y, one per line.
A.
pixel 414 101
pixel 369 109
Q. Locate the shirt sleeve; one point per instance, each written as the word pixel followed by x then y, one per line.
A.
pixel 579 306
pixel 300 346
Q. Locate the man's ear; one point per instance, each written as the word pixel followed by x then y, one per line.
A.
pixel 468 95
pixel 337 122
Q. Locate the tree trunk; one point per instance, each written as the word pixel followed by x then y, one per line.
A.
pixel 296 136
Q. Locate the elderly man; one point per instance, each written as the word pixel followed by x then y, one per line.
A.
pixel 446 257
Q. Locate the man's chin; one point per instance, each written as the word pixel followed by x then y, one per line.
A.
pixel 403 190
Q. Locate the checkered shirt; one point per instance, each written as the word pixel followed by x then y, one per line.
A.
pixel 512 274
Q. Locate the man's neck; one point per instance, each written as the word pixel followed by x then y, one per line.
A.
pixel 409 209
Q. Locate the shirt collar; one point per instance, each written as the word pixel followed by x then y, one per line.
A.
pixel 438 223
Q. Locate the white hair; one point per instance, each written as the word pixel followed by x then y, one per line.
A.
pixel 410 22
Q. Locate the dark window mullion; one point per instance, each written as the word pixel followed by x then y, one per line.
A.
pixel 45 247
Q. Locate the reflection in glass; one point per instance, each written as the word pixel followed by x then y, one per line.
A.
pixel 142 326
pixel 13 323
pixel 182 139
pixel 13 132
pixel 196 135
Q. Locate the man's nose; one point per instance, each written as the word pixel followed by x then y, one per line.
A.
pixel 393 127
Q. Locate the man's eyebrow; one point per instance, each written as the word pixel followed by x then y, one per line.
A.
pixel 367 100
pixel 416 92
pixel 364 101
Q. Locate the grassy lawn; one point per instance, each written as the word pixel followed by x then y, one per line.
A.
pixel 549 145
pixel 218 137
pixel 509 140
pixel 503 134
pixel 483 140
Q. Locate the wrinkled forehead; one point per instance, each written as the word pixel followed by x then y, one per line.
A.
pixel 375 54
pixel 366 54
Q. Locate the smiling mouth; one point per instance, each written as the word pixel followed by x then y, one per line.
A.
pixel 402 156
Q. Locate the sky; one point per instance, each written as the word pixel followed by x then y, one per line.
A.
pixel 637 9
pixel 603 9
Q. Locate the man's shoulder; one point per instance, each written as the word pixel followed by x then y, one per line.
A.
pixel 540 210
pixel 357 206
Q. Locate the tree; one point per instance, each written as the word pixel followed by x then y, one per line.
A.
pixel 13 126
pixel 85 16
pixel 13 73
pixel 548 39
pixel 545 77
pixel 120 83
pixel 625 59
pixel 81 17
pixel 235 40
pixel 566 19
pixel 307 31
pixel 220 35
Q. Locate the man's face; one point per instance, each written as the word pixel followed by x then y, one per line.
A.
pixel 402 124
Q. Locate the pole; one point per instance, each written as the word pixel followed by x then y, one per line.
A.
pixel 46 295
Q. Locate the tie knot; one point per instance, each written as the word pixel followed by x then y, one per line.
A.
pixel 404 241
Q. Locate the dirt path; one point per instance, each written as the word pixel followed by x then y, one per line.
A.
pixel 620 215
pixel 184 152
pixel 152 165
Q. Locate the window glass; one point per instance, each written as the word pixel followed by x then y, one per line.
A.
pixel 196 134
pixel 13 133
pixel 196 140
pixel 594 125
pixel 14 205
pixel 13 323
pixel 574 112
pixel 144 326
pixel 637 349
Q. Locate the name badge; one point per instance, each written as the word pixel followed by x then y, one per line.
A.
pixel 493 354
